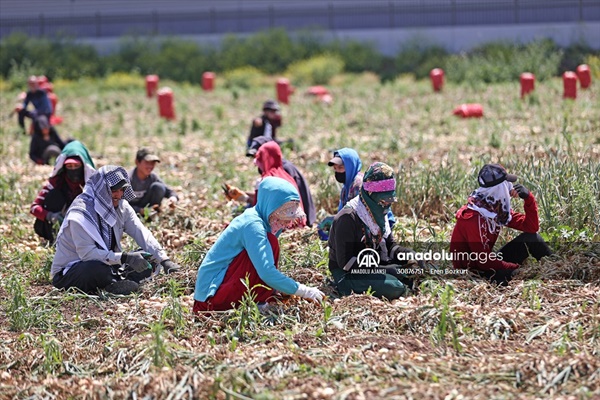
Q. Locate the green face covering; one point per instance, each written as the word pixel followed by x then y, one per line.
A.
pixel 378 193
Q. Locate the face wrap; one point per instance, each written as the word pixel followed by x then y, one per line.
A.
pixel 373 203
pixel 285 216
pixel 75 175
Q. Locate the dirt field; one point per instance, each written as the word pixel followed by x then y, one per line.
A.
pixel 450 338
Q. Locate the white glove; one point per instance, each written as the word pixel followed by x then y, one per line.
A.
pixel 310 293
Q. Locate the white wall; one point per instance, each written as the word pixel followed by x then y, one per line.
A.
pixel 454 39
pixel 463 38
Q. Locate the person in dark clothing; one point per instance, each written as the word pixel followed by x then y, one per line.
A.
pixel 294 172
pixel 148 188
pixel 480 221
pixel 39 98
pixel 45 143
pixel 360 229
pixel 267 123
pixel 73 167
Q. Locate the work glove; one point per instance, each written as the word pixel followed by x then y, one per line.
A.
pixel 309 293
pixel 54 217
pixel 521 190
pixel 324 227
pixel 169 266
pixel 136 260
pixel 234 193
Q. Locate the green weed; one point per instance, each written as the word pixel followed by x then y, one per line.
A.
pixel 23 312
pixel 18 310
pixel 174 311
pixel 246 317
pixel 447 317
pixel 530 295
pixel 53 358
pixel 159 347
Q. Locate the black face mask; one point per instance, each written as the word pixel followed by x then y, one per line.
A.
pixel 75 175
pixel 340 177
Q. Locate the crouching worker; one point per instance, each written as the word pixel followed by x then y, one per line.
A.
pixel 72 169
pixel 249 249
pixel 480 221
pixel 363 255
pixel 88 246
pixel 45 143
pixel 149 189
pixel 269 161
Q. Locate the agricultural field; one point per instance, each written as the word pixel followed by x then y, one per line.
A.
pixel 449 338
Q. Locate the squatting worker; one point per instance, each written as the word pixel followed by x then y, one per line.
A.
pixel 363 223
pixel 479 222
pixel 72 169
pixel 248 249
pixel 88 246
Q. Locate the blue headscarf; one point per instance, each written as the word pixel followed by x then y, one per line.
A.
pixel 248 232
pixel 353 165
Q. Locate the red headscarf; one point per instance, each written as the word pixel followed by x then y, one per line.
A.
pixel 270 160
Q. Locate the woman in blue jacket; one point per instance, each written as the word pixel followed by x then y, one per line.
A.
pixel 249 249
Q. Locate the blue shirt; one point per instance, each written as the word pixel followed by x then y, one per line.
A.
pixel 249 232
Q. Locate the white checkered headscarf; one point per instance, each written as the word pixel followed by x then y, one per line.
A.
pixel 95 203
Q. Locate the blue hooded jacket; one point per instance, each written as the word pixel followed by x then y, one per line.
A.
pixel 353 165
pixel 249 232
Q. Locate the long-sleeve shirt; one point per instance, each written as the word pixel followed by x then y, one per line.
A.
pixel 140 187
pixel 304 191
pixel 40 101
pixel 472 243
pixel 69 192
pixel 75 244
pixel 261 127
pixel 246 232
pixel 37 208
pixel 346 240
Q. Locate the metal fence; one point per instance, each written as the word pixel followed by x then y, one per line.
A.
pixel 324 16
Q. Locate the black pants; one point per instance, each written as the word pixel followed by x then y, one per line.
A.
pixel 55 201
pixel 24 113
pixel 89 276
pixel 516 251
pixel 153 196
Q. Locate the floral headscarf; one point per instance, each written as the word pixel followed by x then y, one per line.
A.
pixel 493 203
pixel 285 216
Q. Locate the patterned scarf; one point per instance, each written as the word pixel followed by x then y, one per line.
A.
pixel 493 204
pixel 373 203
pixel 285 216
pixel 95 203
